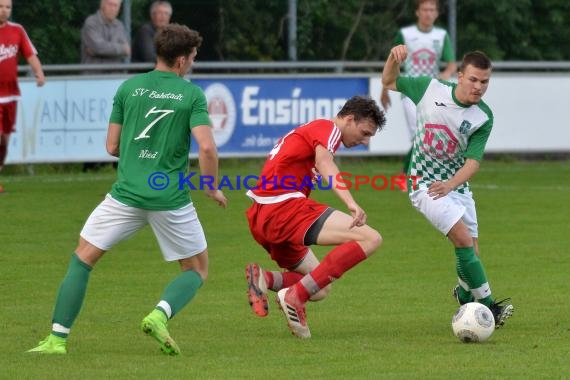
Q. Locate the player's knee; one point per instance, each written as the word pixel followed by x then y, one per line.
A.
pixel 462 241
pixel 203 274
pixel 377 240
pixel 321 294
pixel 372 242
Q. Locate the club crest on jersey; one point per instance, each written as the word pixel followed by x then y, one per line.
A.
pixel 437 45
pixel 465 127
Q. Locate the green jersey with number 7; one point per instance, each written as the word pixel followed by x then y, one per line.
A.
pixel 157 111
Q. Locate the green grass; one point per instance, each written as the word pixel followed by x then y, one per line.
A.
pixel 387 318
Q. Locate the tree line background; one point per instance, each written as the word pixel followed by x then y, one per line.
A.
pixel 356 30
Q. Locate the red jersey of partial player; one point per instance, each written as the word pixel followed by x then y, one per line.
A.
pixel 289 171
pixel 13 41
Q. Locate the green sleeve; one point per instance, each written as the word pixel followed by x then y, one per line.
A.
pixel 448 53
pixel 413 88
pixel 399 39
pixel 199 115
pixel 478 140
pixel 118 103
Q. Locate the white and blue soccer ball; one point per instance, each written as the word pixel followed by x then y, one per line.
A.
pixel 473 322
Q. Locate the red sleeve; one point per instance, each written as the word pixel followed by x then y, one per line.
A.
pixel 325 133
pixel 26 46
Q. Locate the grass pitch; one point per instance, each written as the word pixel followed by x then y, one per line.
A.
pixel 387 318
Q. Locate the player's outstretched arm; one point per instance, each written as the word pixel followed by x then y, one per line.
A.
pixel 208 160
pixel 391 70
pixel 324 162
pixel 385 99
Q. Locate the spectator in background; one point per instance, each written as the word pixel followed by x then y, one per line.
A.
pixel 104 40
pixel 143 44
pixel 428 46
pixel 103 37
pixel 14 42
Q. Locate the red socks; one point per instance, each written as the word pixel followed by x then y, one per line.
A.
pixel 334 265
pixel 279 280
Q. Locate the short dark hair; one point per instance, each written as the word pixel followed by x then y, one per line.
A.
pixel 420 2
pixel 476 59
pixel 363 107
pixel 175 40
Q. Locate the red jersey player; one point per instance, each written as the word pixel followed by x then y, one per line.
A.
pixel 14 42
pixel 285 221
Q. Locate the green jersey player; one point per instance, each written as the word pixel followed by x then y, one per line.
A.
pixel 453 125
pixel 152 119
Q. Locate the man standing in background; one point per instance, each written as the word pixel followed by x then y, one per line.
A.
pixel 103 37
pixel 427 45
pixel 143 44
pixel 14 41
pixel 104 40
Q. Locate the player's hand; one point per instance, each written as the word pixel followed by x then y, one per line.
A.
pixel 399 53
pixel 439 190
pixel 358 216
pixel 217 196
pixel 40 79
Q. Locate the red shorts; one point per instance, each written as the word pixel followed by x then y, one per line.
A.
pixel 8 117
pixel 281 227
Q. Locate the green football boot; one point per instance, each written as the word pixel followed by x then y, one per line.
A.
pixel 51 345
pixel 154 325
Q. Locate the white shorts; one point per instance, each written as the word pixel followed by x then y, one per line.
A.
pixel 178 232
pixel 445 212
pixel 410 113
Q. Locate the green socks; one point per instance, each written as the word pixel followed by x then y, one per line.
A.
pixel 470 270
pixel 74 286
pixel 70 296
pixel 179 292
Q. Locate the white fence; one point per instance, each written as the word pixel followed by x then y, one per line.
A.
pixel 66 120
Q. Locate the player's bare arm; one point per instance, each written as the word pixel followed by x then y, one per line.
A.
pixel 324 162
pixel 36 66
pixel 113 139
pixel 208 161
pixel 440 189
pixel 391 70
pixel 450 69
pixel 385 99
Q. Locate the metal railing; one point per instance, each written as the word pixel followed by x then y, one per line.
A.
pixel 280 67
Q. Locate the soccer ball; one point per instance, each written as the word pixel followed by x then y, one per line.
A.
pixel 473 322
